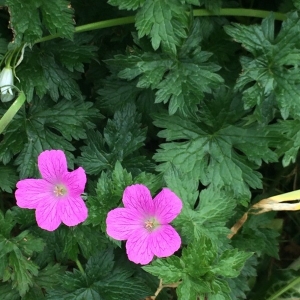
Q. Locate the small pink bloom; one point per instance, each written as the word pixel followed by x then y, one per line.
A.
pixel 56 197
pixel 143 222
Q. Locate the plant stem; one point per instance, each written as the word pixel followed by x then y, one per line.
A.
pixel 286 288
pixel 197 13
pixel 79 266
pixel 11 112
pixel 244 12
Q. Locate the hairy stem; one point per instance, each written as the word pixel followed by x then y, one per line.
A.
pixel 197 13
pixel 11 112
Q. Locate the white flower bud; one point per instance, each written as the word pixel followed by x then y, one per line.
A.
pixel 6 83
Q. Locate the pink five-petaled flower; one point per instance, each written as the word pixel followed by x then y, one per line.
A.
pixel 143 222
pixel 56 197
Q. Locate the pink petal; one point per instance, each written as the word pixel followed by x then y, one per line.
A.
pixel 46 214
pixel 164 241
pixel 138 197
pixel 52 165
pixel 32 191
pixel 72 210
pixel 75 181
pixel 137 247
pixel 167 205
pixel 120 223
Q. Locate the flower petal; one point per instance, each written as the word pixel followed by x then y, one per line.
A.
pixel 52 165
pixel 72 210
pixel 138 197
pixel 46 214
pixel 120 223
pixel 30 192
pixel 75 181
pixel 137 247
pixel 164 241
pixel 167 206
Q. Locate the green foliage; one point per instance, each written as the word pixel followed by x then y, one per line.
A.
pixel 45 126
pixel 258 233
pixel 223 152
pixel 277 283
pixel 27 23
pixel 290 147
pixel 102 280
pixel 201 105
pixel 200 269
pixel 8 178
pixel 213 5
pixel 15 264
pixel 122 138
pixel 164 21
pixel 50 69
pixel 181 81
pixel 272 73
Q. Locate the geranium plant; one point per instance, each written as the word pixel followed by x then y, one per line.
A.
pixel 149 149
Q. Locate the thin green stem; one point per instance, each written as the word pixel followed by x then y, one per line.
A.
pixel 78 263
pixel 244 12
pixel 11 112
pixel 239 12
pixel 197 13
pixel 93 26
pixel 284 289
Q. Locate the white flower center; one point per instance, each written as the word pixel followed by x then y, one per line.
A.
pixel 151 224
pixel 59 190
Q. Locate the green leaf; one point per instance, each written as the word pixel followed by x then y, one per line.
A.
pixel 15 263
pixel 117 93
pixel 58 17
pixel 209 218
pixel 51 67
pixel 288 148
pixel 240 285
pixel 160 20
pixel 231 263
pixel 185 187
pixel 7 293
pixel 181 81
pixel 73 54
pixel 41 73
pixel 102 281
pixel 122 137
pixel 258 235
pixel 45 126
pixel 7 223
pixel 8 178
pixel 213 6
pixel 110 191
pixel 273 71
pixel 223 153
pixel 127 4
pixel 49 276
pixel 26 21
pixel 169 270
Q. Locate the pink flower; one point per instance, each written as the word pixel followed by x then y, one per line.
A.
pixel 144 223
pixel 56 197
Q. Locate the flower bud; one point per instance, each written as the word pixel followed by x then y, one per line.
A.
pixel 6 83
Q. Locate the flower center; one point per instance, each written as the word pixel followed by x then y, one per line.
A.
pixel 151 224
pixel 59 190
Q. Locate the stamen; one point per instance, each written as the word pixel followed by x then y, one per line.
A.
pixel 59 191
pixel 149 224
